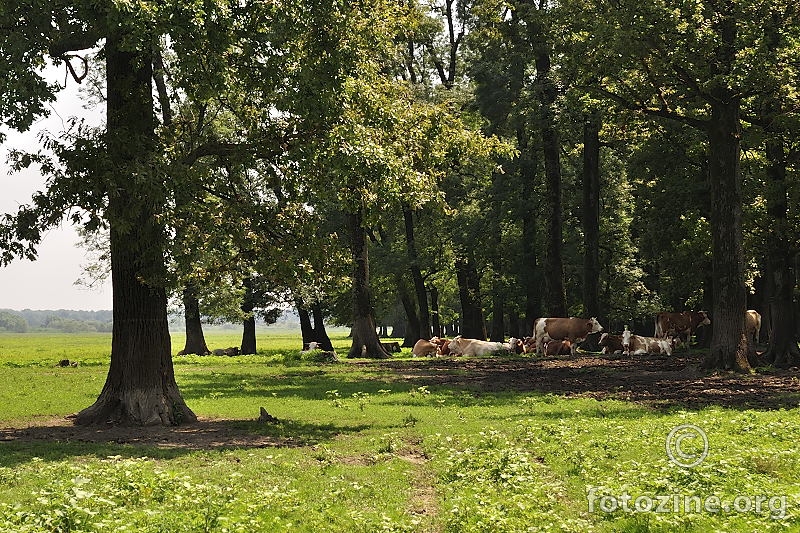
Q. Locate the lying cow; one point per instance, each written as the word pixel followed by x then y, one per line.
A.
pixel 573 329
pixel 514 345
pixel 391 347
pixel 638 345
pixel 529 345
pixel 424 348
pixel 443 345
pixel 552 347
pixel 230 352
pixel 470 347
pixel 611 344
pixel 681 325
pixel 752 325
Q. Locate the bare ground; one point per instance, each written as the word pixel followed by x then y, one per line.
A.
pixel 657 382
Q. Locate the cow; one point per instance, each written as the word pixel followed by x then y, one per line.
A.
pixel 681 325
pixel 552 347
pixel 638 345
pixel 311 346
pixel 462 346
pixel 529 345
pixel 230 352
pixel 514 345
pixel 752 325
pixel 391 347
pixel 424 348
pixel 611 344
pixel 443 345
pixel 573 329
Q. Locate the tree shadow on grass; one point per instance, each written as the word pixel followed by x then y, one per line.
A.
pixel 60 439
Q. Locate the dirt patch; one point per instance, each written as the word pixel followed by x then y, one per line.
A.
pixel 661 382
pixel 206 433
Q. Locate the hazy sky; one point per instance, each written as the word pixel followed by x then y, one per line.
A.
pixel 48 282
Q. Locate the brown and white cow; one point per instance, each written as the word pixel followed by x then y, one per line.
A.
pixel 573 329
pixel 611 343
pixel 515 345
pixel 752 325
pixel 552 347
pixel 681 325
pixel 461 346
pixel 528 344
pixel 638 345
pixel 443 345
pixel 424 348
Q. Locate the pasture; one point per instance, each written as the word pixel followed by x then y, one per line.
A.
pixel 450 444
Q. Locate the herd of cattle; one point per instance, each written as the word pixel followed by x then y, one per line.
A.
pixel 560 336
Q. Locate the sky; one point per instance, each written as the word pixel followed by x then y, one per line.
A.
pixel 48 282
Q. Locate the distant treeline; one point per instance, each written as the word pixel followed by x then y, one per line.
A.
pixel 66 320
pixel 70 321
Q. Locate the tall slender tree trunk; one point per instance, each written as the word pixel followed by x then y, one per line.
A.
pixel 472 322
pixel 411 332
pixel 783 351
pixel 729 344
pixel 436 322
pixel 140 388
pixel 533 293
pixel 320 334
pixel 497 328
pixel 195 340
pixel 416 275
pixel 249 326
pixel 591 215
pixel 365 338
pixel 555 294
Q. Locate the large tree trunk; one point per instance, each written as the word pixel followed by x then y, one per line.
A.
pixel 497 327
pixel 473 325
pixel 249 326
pixel 783 351
pixel 411 331
pixel 140 388
pixel 195 340
pixel 306 329
pixel 365 339
pixel 729 345
pixel 320 334
pixel 416 275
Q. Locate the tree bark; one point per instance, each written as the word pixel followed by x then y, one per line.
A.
pixel 783 351
pixel 729 344
pixel 320 334
pixel 411 332
pixel 424 319
pixel 473 325
pixel 195 340
pixel 249 326
pixel 365 338
pixel 140 388
pixel 435 317
pixel 555 294
pixel 533 293
pixel 306 329
pixel 591 216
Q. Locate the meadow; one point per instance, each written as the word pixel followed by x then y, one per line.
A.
pixel 447 445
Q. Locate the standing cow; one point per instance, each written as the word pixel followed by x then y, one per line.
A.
pixel 573 329
pixel 680 325
pixel 752 325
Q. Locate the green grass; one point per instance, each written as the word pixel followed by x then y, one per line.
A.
pixel 373 449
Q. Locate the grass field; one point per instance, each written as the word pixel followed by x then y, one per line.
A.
pixel 403 445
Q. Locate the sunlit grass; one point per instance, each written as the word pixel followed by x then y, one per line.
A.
pixel 375 448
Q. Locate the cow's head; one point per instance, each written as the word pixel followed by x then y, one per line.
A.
pixel 594 326
pixel 705 321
